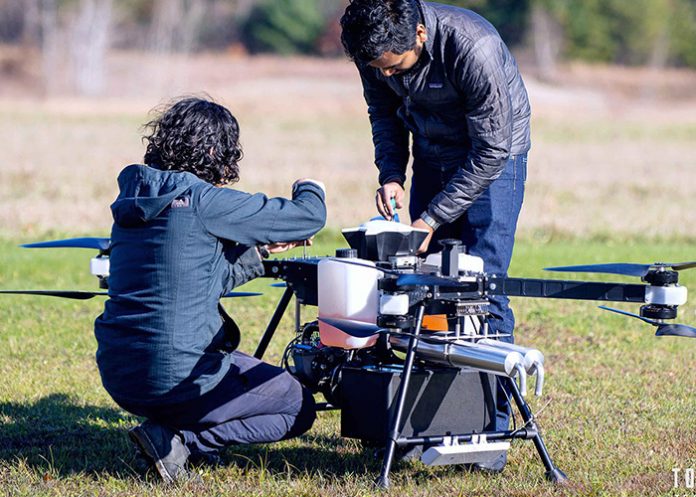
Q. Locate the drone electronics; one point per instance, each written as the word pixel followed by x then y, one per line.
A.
pixel 401 345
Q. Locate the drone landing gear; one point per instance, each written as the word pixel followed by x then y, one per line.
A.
pixel 529 431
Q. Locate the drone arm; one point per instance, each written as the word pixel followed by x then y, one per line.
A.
pixel 561 289
pixel 300 275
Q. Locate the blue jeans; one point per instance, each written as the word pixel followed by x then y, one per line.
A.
pixel 487 229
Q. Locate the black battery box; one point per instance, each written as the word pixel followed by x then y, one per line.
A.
pixel 439 401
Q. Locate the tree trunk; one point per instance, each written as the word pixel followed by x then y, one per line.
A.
pixel 547 40
pixel 31 30
pixel 50 45
pixel 90 44
pixel 175 25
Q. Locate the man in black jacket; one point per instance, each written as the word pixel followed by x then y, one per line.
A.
pixel 443 76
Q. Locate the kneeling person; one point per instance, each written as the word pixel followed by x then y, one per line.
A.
pixel 179 242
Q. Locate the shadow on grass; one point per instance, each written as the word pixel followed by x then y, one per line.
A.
pixel 58 434
pixel 317 454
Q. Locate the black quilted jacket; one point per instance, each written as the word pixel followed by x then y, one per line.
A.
pixel 465 91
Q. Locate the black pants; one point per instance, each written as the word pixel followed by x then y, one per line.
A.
pixel 255 402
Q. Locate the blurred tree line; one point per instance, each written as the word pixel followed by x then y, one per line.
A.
pixel 80 32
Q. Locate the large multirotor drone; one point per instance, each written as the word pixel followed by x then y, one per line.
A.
pixel 401 344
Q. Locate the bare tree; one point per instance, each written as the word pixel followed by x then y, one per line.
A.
pixel 175 25
pixel 50 44
pixel 31 31
pixel 547 39
pixel 89 42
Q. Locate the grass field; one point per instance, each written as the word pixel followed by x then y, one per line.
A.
pixel 611 178
pixel 618 411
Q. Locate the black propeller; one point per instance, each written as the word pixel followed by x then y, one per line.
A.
pixel 93 243
pixel 624 268
pixel 241 294
pixel 79 295
pixel 663 329
pixel 353 328
pixel 66 294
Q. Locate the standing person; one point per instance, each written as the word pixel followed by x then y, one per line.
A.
pixel 179 242
pixel 442 76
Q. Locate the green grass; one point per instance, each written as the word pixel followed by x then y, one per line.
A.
pixel 619 410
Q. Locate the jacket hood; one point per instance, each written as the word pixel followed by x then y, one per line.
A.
pixel 145 192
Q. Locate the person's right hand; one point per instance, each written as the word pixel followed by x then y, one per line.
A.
pixel 383 198
pixel 278 247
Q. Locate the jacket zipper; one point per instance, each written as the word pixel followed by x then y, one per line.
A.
pixel 407 82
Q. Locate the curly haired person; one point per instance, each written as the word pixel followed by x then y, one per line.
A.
pixel 180 241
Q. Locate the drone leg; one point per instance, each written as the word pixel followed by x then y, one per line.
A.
pixel 273 323
pixel 383 479
pixel 552 474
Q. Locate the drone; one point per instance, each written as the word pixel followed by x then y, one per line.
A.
pixel 401 346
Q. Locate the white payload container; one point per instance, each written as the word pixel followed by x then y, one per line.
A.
pixel 347 289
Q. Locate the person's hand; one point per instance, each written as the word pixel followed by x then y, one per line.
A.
pixel 320 184
pixel 420 224
pixel 279 247
pixel 383 198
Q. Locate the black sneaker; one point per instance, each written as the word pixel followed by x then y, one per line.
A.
pixel 163 448
pixel 495 466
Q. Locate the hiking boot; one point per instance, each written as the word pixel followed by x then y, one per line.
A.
pixel 164 449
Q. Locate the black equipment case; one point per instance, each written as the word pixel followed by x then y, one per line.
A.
pixel 439 400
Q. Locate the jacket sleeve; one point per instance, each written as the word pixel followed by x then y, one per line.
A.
pixel 389 134
pixel 245 265
pixel 257 219
pixel 481 77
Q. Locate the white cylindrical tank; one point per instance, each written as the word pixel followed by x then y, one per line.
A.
pixel 347 289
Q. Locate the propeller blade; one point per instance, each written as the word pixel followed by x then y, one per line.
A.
pixel 93 243
pixel 357 329
pixel 241 294
pixel 630 314
pixel 663 330
pixel 676 330
pixel 683 265
pixel 282 284
pixel 425 280
pixel 79 295
pixel 623 268
pixel 66 294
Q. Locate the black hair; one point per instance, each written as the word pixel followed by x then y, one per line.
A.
pixel 195 135
pixel 371 28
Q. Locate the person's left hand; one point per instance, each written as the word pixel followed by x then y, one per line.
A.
pixel 420 224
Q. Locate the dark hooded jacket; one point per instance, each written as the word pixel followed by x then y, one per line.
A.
pixel 464 102
pixel 178 244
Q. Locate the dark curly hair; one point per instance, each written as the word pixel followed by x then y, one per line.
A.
pixel 195 135
pixel 371 28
